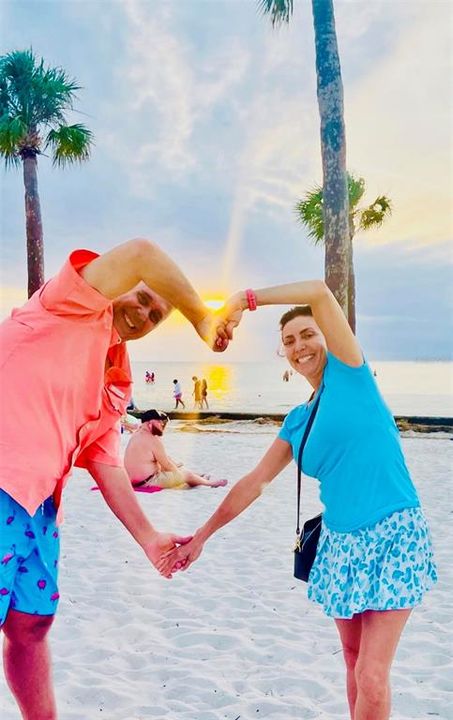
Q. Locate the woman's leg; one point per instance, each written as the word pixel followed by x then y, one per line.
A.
pixel 350 634
pixel 27 665
pixel 381 631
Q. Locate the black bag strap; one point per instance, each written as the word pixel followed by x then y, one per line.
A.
pixel 299 459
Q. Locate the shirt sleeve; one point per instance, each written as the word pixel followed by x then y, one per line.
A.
pixel 285 433
pixel 337 370
pixel 105 449
pixel 68 295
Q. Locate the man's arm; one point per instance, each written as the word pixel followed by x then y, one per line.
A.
pixel 117 491
pixel 122 268
pixel 161 457
pixel 178 463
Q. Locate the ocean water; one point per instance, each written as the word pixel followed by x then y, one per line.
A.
pixel 409 388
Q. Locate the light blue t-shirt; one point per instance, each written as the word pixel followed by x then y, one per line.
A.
pixel 353 449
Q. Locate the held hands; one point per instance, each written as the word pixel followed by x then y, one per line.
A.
pixel 216 328
pixel 212 332
pixel 180 558
pixel 160 545
pixel 231 313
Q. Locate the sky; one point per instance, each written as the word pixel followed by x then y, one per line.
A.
pixel 206 133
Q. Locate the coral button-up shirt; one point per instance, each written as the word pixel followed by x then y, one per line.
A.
pixel 60 406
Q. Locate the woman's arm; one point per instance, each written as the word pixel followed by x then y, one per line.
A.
pixel 329 316
pixel 246 491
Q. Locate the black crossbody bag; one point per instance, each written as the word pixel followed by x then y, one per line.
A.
pixel 307 540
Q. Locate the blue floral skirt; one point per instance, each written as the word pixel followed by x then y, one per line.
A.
pixel 388 566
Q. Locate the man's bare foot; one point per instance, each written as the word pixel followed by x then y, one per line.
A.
pixel 214 483
pixel 219 483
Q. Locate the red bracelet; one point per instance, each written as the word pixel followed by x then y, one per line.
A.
pixel 251 299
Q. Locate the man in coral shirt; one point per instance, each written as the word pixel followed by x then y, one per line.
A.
pixel 65 373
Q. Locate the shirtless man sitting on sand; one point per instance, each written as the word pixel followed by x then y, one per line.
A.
pixel 147 463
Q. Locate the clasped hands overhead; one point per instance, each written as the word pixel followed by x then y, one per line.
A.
pixel 216 327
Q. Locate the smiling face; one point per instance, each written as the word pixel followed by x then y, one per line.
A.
pixel 138 312
pixel 305 348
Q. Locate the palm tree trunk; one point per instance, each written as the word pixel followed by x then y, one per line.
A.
pixel 33 224
pixel 333 151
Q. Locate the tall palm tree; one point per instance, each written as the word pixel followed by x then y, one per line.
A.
pixel 333 140
pixel 309 212
pixel 33 103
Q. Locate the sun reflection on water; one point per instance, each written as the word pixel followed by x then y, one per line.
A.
pixel 219 379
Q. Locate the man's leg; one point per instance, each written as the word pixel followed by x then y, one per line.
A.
pixel 380 635
pixel 193 480
pixel 27 664
pixel 350 633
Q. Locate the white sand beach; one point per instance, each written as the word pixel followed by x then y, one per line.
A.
pixel 234 638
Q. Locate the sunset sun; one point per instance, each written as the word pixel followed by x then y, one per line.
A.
pixel 214 303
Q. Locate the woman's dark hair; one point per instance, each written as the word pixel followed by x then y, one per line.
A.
pixel 298 310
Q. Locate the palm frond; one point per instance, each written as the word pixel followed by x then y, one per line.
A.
pixel 376 213
pixel 15 68
pixel 279 10
pixel 53 93
pixel 309 213
pixel 309 210
pixel 36 93
pixel 356 189
pixel 4 96
pixel 70 144
pixel 12 133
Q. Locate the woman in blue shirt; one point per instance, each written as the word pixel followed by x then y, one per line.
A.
pixel 374 559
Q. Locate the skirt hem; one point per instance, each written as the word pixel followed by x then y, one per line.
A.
pixel 376 607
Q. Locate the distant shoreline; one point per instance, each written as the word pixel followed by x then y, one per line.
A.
pixel 416 423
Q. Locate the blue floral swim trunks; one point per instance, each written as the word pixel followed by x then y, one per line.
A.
pixel 29 552
pixel 388 566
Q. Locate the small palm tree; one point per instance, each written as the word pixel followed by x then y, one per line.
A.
pixel 309 212
pixel 33 103
pixel 333 139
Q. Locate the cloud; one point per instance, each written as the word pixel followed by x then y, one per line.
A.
pixel 168 92
pixel 157 85
pixel 399 119
pixel 244 114
pixel 354 19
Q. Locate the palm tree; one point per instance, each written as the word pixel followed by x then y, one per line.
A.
pixel 33 103
pixel 333 140
pixel 309 212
